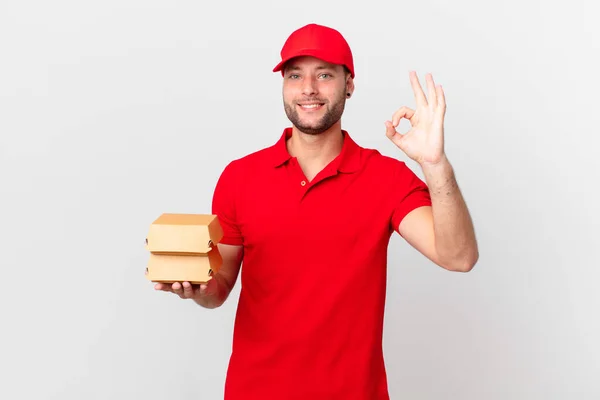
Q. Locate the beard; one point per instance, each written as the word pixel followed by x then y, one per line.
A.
pixel 333 113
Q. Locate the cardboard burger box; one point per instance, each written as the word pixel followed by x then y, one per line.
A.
pixel 183 248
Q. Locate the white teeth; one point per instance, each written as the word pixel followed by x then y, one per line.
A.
pixel 310 105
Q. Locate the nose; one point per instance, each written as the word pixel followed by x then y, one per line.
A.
pixel 309 86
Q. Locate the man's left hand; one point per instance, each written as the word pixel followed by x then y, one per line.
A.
pixel 424 142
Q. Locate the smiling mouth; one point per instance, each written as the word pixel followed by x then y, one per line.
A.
pixel 311 106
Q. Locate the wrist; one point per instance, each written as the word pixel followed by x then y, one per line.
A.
pixel 441 166
pixel 439 176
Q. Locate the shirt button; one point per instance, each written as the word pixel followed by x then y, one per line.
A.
pixel 303 183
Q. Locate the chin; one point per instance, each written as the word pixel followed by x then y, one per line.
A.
pixel 312 129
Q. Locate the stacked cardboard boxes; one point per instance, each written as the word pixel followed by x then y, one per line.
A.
pixel 183 248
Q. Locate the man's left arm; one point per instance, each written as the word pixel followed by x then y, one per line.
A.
pixel 443 232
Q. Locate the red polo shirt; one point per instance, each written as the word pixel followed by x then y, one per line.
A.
pixel 309 321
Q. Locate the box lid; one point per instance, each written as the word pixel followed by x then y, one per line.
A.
pixel 184 234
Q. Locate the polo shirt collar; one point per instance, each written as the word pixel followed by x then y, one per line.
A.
pixel 347 161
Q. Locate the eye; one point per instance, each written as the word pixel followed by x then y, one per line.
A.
pixel 293 76
pixel 325 75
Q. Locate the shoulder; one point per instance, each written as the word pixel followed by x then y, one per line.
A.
pixel 389 171
pixel 240 167
pixel 257 158
pixel 373 160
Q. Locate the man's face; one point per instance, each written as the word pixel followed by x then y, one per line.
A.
pixel 314 93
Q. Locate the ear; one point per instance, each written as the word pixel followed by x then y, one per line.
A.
pixel 349 86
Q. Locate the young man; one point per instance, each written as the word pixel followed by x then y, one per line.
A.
pixel 311 217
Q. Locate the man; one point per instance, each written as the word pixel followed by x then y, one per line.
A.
pixel 311 218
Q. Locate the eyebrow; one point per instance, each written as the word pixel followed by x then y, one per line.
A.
pixel 323 66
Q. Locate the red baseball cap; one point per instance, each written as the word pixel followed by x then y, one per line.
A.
pixel 317 41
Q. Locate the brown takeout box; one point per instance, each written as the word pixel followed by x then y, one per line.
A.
pixel 183 248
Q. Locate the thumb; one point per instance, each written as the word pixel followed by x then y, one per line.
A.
pixel 396 137
pixel 393 134
pixel 200 292
pixel 209 287
pixel 390 130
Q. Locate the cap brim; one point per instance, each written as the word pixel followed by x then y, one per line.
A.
pixel 304 52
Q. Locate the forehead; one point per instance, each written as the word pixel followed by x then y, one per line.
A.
pixel 308 62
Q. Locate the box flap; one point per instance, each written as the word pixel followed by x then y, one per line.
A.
pixel 183 234
pixel 176 268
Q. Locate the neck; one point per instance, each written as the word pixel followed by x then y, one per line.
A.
pixel 316 151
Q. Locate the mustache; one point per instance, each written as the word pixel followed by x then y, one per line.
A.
pixel 311 100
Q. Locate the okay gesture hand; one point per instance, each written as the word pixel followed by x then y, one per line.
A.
pixel 424 142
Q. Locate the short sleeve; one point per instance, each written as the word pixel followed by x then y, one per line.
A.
pixel 224 205
pixel 409 193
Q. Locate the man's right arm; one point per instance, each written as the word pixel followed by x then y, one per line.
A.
pixel 217 290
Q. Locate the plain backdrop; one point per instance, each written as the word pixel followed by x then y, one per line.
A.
pixel 114 112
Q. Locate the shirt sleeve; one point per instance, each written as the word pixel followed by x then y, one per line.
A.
pixel 224 205
pixel 409 193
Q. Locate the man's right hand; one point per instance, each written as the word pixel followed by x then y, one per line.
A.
pixel 205 294
pixel 213 293
pixel 185 290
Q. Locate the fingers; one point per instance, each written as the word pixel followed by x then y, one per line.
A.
pixel 435 95
pixel 403 112
pixel 185 290
pixel 390 126
pixel 441 99
pixel 431 96
pixel 418 91
pixel 188 290
pixel 177 288
pixel 163 287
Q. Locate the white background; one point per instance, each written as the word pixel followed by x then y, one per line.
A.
pixel 114 112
